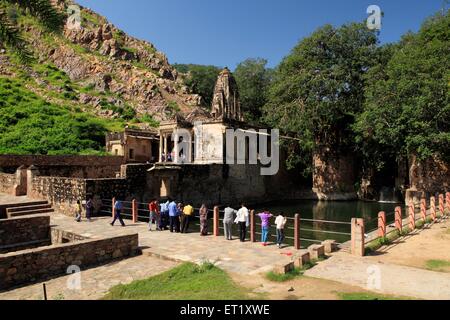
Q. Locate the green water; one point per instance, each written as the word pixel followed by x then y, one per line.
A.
pixel 342 211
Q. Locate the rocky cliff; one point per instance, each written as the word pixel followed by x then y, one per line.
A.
pixel 99 69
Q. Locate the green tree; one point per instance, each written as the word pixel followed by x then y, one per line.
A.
pixel 10 34
pixel 200 80
pixel 253 79
pixel 319 89
pixel 407 109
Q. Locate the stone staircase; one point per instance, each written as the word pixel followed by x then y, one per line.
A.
pixel 28 208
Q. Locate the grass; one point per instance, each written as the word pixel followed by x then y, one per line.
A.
pixel 184 282
pixel 31 125
pixel 383 241
pixel 297 272
pixel 366 296
pixel 438 265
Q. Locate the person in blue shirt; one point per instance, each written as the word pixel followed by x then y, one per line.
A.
pixel 174 216
pixel 118 206
pixel 164 210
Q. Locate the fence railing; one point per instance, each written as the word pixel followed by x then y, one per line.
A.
pixel 351 236
pixel 405 220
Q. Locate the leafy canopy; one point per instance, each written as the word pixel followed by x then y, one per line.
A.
pixel 319 88
pixel 407 109
pixel 253 79
pixel 200 80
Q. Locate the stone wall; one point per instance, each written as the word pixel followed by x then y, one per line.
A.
pixel 62 193
pixel 16 231
pixel 65 166
pixel 7 182
pixel 427 178
pixel 61 236
pixel 19 268
pixel 334 175
pixel 131 185
pixel 223 184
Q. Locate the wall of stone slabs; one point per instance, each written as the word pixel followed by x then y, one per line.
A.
pixel 28 266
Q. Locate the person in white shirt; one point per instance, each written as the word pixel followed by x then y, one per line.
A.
pixel 242 218
pixel 280 221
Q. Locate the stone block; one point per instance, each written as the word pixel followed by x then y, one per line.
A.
pixel 330 246
pixel 284 268
pixel 316 251
pixel 302 259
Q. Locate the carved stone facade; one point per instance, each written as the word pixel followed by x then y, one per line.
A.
pixel 226 103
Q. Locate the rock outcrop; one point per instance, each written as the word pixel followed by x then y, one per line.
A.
pixel 105 64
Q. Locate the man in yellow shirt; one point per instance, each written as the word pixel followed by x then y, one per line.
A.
pixel 188 212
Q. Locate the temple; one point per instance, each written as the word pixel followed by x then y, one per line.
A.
pixel 205 143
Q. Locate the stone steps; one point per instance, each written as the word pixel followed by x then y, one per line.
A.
pixel 29 208
pixel 30 212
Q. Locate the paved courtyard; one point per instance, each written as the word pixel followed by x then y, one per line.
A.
pixel 232 256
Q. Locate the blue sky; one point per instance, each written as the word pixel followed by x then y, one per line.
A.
pixel 226 32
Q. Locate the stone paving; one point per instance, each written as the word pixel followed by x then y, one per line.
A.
pixel 232 256
pixel 95 282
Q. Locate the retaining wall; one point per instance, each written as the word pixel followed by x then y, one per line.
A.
pixel 18 268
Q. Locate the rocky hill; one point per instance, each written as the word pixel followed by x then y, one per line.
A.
pixel 100 70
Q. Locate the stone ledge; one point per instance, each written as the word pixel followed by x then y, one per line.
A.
pixel 316 251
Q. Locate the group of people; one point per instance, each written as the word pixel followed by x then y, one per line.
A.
pixel 176 217
pixel 242 218
pixel 170 215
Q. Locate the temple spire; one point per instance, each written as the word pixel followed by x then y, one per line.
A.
pixel 226 103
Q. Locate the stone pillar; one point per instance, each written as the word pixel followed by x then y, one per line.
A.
pixel 32 172
pixel 412 216
pixel 176 148
pixel 20 187
pixel 358 240
pixel 113 211
pixel 398 219
pixel 382 224
pixel 441 205
pixel 134 211
pixel 216 222
pixel 252 226
pixel 433 208
pixel 297 241
pixel 161 146
pixel 166 147
pixel 423 209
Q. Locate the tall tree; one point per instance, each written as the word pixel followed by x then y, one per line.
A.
pixel 10 34
pixel 253 79
pixel 200 80
pixel 407 109
pixel 319 89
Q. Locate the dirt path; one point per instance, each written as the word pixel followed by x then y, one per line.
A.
pixel 430 243
pixel 301 288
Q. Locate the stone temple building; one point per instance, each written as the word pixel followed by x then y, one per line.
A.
pixel 136 146
pixel 200 172
pixel 206 144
